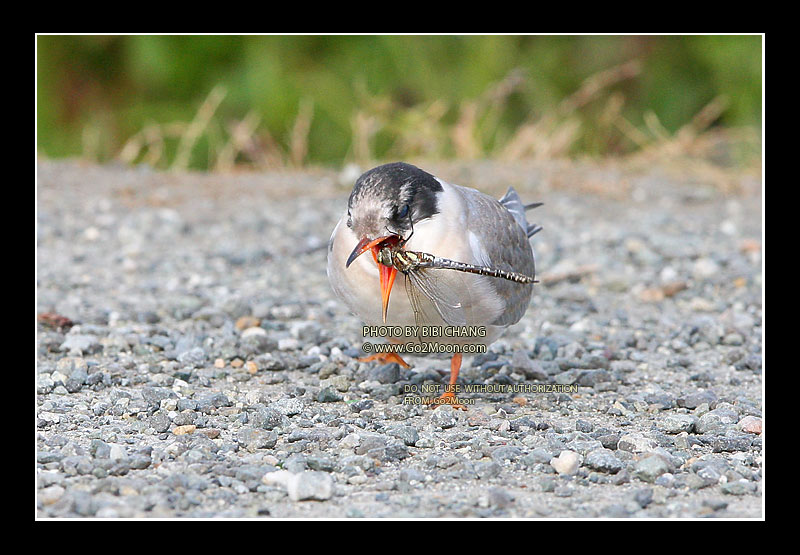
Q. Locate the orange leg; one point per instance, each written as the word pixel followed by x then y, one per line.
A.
pixel 449 397
pixel 385 358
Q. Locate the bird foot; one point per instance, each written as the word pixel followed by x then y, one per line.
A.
pixel 385 358
pixel 447 398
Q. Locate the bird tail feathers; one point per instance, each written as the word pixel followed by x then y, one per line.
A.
pixel 513 204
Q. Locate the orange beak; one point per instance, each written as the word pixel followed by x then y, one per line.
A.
pixel 387 273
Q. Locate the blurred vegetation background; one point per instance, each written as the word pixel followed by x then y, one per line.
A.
pixel 225 103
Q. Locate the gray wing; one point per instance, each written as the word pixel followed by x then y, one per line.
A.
pixel 502 229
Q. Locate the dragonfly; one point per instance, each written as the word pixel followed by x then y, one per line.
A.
pixel 416 266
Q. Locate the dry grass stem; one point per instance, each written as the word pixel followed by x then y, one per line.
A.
pixel 298 144
pixel 463 135
pixel 364 127
pixel 241 136
pixel 593 85
pixel 197 126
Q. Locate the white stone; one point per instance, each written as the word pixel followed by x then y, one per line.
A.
pixel 254 331
pixel 302 486
pixel 117 453
pixel 566 463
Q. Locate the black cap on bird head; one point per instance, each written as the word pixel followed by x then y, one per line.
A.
pixel 392 196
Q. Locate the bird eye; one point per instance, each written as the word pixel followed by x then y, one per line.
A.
pixel 403 212
pixel 349 219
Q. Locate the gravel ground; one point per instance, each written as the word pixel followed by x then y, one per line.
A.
pixel 209 371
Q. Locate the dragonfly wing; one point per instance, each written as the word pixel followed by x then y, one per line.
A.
pixel 422 317
pixel 446 303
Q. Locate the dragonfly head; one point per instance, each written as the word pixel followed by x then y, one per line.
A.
pixel 385 256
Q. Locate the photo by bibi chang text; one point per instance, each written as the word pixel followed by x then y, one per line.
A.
pixel 423 331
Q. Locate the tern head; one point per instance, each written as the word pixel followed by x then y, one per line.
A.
pixel 385 204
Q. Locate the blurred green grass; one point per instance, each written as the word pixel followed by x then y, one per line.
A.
pixel 221 102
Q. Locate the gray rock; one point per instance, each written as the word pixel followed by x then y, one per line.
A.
pixel 677 423
pixel 506 453
pixel 320 463
pixel 266 418
pixel 407 434
pixel 650 468
pixel 487 470
pixel 82 503
pixel 77 378
pixel 160 422
pixel 584 446
pixel 371 441
pixel 308 332
pixel 85 344
pixel 752 362
pixel 253 439
pixel 500 498
pixel 547 484
pixel 568 377
pixel 715 504
pixel 100 449
pixel 593 377
pixel 328 395
pixel 193 358
pixel 46 457
pixel 139 462
pixel 643 497
pixel 359 461
pixel 44 384
pixel 694 400
pixel 731 443
pixel 362 404
pixel 385 373
pixel 154 395
pixel 394 452
pixel 717 420
pixel 185 403
pixel 531 369
pixel 710 471
pixel 609 441
pixel 603 460
pixel 537 456
pixel 76 465
pixel 545 348
pixel 288 407
pixel 636 443
pixel 739 487
pixel 443 417
pixel 208 402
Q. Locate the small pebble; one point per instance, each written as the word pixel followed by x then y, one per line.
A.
pixel 566 463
